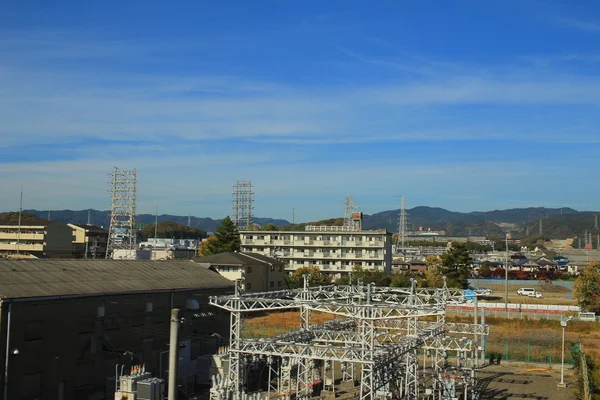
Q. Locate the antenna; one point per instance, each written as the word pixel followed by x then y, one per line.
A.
pixel 243 204
pixel 122 231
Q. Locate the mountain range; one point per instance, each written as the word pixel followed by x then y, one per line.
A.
pixel 556 222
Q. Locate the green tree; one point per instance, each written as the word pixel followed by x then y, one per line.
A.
pixel 433 274
pixel 12 218
pixel 315 277
pixel 172 230
pixel 206 246
pixel 456 265
pixel 226 239
pixel 269 227
pixel 587 288
pixel 400 280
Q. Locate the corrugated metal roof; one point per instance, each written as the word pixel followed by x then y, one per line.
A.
pixel 237 258
pixel 47 278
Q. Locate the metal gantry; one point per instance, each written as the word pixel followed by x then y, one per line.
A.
pixel 122 231
pixel 372 347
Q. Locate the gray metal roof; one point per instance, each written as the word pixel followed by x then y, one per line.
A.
pixel 48 278
pixel 237 258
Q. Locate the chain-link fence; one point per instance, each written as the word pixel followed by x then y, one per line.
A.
pixel 528 350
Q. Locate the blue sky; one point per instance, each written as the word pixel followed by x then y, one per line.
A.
pixel 466 105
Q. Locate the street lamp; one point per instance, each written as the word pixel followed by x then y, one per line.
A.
pixel 563 324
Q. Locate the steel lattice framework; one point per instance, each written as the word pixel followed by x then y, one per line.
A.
pixel 243 204
pixel 122 230
pixel 402 226
pixel 378 336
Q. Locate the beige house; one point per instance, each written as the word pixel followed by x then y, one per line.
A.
pixel 90 237
pixel 258 272
pixel 66 325
pixel 36 240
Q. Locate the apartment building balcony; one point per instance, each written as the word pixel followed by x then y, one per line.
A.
pixel 22 236
pixel 22 247
pixel 280 242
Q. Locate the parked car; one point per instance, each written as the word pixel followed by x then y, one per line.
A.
pixel 587 316
pixel 535 294
pixel 485 291
pixel 525 291
pixel 481 291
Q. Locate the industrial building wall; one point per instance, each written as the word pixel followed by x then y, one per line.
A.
pixel 76 343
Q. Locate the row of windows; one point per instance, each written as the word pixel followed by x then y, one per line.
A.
pixel 248 269
pixel 352 238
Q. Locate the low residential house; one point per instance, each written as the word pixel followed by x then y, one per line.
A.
pixel 412 266
pixel 66 325
pixel 545 264
pixel 529 266
pixel 89 241
pixel 258 272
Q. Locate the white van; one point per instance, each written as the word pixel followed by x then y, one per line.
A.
pixel 587 316
pixel 525 291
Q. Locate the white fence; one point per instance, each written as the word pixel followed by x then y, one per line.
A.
pixel 515 309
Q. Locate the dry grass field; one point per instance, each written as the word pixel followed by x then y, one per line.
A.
pixel 536 332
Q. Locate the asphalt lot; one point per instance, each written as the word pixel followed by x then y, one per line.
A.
pixel 510 382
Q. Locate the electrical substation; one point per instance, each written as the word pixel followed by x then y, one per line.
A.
pixel 381 343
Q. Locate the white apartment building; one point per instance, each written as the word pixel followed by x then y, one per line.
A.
pixel 332 249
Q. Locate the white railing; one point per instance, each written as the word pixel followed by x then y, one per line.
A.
pixel 327 228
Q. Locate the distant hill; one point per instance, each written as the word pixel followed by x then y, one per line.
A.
pixel 102 218
pixel 556 222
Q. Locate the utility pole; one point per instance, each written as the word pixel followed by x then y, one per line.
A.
pixel 154 248
pixel 155 225
pixel 506 277
pixel 173 354
pixel 19 227
pixel 87 237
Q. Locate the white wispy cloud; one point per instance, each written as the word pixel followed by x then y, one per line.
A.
pixel 591 26
pixel 195 135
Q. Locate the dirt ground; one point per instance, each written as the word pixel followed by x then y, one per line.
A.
pixel 511 382
pixel 552 295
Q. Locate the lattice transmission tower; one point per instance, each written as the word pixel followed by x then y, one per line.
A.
pixel 349 209
pixel 402 226
pixel 352 218
pixel 243 204
pixel 122 233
